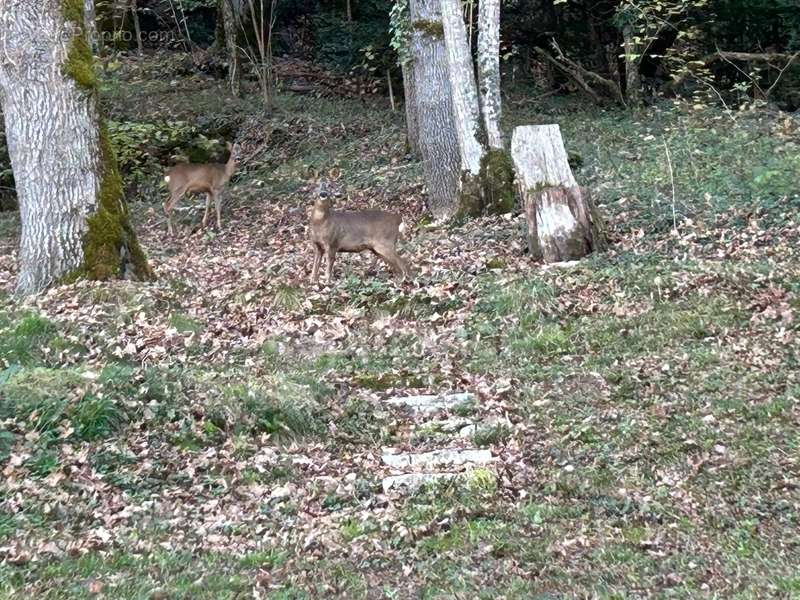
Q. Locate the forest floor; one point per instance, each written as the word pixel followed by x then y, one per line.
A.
pixel 220 431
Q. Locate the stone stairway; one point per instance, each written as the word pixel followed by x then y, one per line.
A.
pixel 407 471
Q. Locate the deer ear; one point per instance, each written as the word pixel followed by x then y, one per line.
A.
pixel 229 146
pixel 335 173
pixel 312 174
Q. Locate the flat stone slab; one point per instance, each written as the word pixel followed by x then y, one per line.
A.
pixel 438 458
pixel 564 264
pixel 412 481
pixel 432 403
pixel 483 426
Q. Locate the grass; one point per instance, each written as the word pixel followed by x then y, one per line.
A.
pixel 22 337
pixel 648 395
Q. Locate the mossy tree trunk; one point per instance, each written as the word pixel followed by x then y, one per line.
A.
pixel 464 177
pixel 72 208
pixel 438 140
pixel 563 223
pixel 487 176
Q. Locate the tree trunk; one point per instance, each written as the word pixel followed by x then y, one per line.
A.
pixel 90 23
pixel 74 218
pixel 219 31
pixel 489 70
pixel 563 223
pixel 410 99
pixel 464 91
pixel 137 29
pixel 391 89
pixel 234 63
pixel 633 80
pixel 438 140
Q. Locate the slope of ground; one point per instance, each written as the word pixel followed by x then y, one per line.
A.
pixel 220 432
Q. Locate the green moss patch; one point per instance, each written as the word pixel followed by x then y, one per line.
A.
pixel 492 191
pixel 110 245
pixel 434 29
pixel 79 65
pixel 497 177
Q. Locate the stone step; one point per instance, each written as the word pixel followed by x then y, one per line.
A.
pixel 412 481
pixel 438 458
pixel 432 403
pixel 484 426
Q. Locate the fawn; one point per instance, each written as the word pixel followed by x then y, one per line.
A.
pixel 209 178
pixel 333 231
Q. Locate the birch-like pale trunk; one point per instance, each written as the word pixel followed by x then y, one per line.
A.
pixel 489 70
pixel 563 223
pixel 438 140
pixel 66 177
pixel 410 100
pixel 463 88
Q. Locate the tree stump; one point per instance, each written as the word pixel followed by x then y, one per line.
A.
pixel 563 223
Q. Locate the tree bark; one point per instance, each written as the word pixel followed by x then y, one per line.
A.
pixel 633 79
pixel 219 31
pixel 410 100
pixel 137 29
pixel 463 89
pixel 234 62
pixel 489 70
pixel 563 223
pixel 73 213
pixel 90 23
pixel 438 140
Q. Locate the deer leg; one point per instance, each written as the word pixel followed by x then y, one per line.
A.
pixel 329 270
pixel 317 260
pixel 217 206
pixel 208 207
pixel 169 206
pixel 375 259
pixel 389 254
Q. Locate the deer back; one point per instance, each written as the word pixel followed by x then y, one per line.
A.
pixel 356 231
pixel 197 178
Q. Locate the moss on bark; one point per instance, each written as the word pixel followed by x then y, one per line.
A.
pixel 497 179
pixel 492 191
pixel 434 29
pixel 470 197
pixel 110 247
pixel 79 65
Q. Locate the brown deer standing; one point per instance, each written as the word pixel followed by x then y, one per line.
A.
pixel 209 178
pixel 334 231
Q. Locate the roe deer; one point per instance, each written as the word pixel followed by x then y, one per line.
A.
pixel 335 231
pixel 207 178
